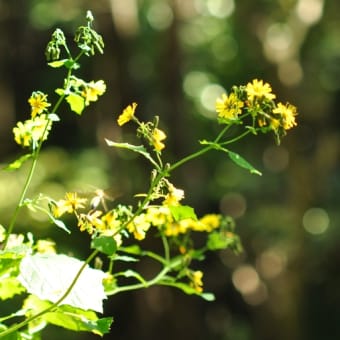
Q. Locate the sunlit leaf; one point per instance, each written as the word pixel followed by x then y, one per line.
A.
pixel 135 148
pixel 53 117
pixel 58 63
pixel 77 103
pixel 41 275
pixel 105 244
pixel 132 273
pixel 18 162
pixel 10 286
pixel 181 212
pixel 69 317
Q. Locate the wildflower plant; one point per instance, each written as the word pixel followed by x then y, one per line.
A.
pixel 31 267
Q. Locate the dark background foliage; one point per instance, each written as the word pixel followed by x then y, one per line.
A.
pixel 174 58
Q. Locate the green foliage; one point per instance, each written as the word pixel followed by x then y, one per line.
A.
pixel 64 291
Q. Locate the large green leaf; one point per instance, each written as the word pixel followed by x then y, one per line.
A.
pixel 48 276
pixel 69 317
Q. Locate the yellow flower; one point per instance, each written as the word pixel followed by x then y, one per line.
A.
pixel 127 114
pixel 90 221
pixel 70 204
pixel 32 131
pixel 159 216
pixel 38 102
pixel 196 280
pixel 92 90
pixel 22 134
pixel 229 107
pixel 174 195
pixel 46 247
pixel 207 223
pixel 156 139
pixel 259 90
pixel 287 114
pixel 180 227
pixel 139 226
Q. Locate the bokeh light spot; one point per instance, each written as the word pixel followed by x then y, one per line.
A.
pixel 275 158
pixel 160 15
pixel 233 204
pixel 315 221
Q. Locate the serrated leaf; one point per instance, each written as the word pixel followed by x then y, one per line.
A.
pixel 69 317
pixel 181 212
pixel 18 162
pixel 105 244
pixel 76 102
pixel 41 275
pixel 135 148
pixel 240 161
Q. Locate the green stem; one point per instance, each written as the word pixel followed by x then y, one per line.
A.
pixel 156 280
pixel 35 154
pixel 55 304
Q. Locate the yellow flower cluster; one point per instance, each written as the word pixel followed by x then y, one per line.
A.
pixel 92 90
pixel 257 99
pixel 196 282
pixel 32 131
pixel 149 131
pixel 162 218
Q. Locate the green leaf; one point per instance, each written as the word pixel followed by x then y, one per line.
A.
pixel 41 275
pixel 125 258
pixel 69 317
pixel 240 161
pixel 105 244
pixel 133 249
pixel 18 162
pixel 9 270
pixel 60 224
pixel 132 273
pixel 59 91
pixel 77 103
pixel 135 148
pixel 57 63
pixel 181 212
pixel 218 240
pixel 192 291
pixel 10 286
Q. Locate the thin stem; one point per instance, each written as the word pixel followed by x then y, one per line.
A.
pixel 35 154
pixel 156 280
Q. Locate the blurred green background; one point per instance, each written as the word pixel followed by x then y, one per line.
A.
pixel 174 57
